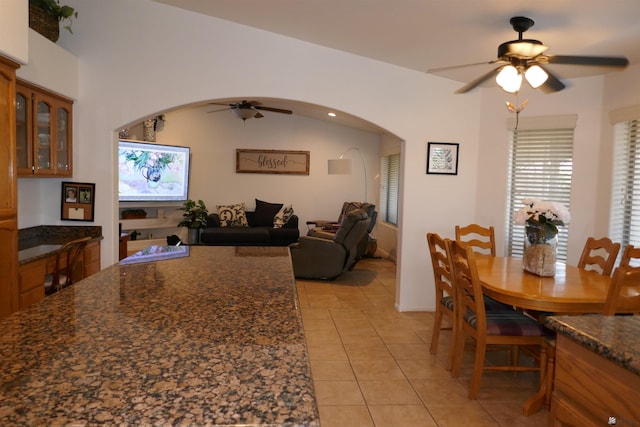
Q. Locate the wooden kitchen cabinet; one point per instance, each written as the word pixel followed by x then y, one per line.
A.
pixel 8 267
pixel 92 258
pixel 31 274
pixel 590 390
pixel 43 132
pixel 31 281
pixel 8 190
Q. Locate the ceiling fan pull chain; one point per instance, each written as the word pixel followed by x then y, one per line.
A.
pixel 512 108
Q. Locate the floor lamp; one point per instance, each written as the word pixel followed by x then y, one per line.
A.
pixel 342 166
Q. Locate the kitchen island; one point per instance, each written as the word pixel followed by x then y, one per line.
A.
pixel 597 371
pixel 170 336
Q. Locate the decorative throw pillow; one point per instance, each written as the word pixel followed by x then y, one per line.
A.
pixel 232 215
pixel 350 206
pixel 283 216
pixel 265 212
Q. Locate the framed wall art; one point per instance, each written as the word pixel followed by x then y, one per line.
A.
pixel 78 201
pixel 442 158
pixel 272 161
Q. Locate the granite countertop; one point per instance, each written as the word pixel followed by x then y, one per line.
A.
pixel 202 336
pixel 36 252
pixel 616 338
pixel 43 240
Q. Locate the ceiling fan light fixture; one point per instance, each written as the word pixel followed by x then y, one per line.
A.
pixel 509 79
pixel 523 49
pixel 243 113
pixel 536 76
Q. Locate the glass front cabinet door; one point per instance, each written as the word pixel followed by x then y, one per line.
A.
pixel 43 132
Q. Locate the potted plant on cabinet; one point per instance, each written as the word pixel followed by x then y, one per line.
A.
pixel 45 17
pixel 194 218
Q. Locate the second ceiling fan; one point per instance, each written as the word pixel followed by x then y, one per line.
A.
pixel 526 57
pixel 249 109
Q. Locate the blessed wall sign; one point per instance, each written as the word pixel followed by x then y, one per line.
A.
pixel 272 161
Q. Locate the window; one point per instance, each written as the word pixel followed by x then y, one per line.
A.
pixel 389 188
pixel 625 195
pixel 541 164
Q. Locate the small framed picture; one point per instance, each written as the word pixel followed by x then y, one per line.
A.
pixel 78 201
pixel 85 195
pixel 442 158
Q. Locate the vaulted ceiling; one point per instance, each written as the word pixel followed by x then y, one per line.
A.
pixel 427 34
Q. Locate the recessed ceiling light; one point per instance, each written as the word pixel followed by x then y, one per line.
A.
pixel 331 114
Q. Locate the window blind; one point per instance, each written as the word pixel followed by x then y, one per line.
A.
pixel 624 224
pixel 541 167
pixel 389 188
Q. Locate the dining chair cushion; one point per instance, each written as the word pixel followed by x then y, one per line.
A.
pixel 509 323
pixel 448 302
pixel 492 305
pixel 489 304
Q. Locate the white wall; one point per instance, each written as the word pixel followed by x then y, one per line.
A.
pixel 620 91
pixel 138 57
pixel 213 139
pixel 14 19
pixel 580 98
pixel 590 192
pixel 50 66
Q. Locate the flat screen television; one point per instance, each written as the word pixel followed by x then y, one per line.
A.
pixel 152 172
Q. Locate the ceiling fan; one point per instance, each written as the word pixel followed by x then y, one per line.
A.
pixel 525 57
pixel 248 109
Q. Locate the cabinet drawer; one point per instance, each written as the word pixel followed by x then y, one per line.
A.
pixel 32 296
pixel 92 252
pixel 31 282
pixel 31 275
pixel 565 415
pixel 91 259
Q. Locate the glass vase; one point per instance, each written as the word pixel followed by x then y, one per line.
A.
pixel 540 251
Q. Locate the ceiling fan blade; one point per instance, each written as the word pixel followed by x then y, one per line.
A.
pixel 258 115
pixel 602 61
pixel 217 111
pixel 455 67
pixel 221 103
pixel 477 82
pixel 274 110
pixel 553 84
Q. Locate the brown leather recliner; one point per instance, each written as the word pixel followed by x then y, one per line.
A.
pixel 326 229
pixel 318 258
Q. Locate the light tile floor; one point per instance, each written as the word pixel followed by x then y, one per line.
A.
pixel 371 364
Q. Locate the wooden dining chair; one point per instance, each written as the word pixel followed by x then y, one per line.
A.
pixel 438 249
pixel 482 239
pixel 599 255
pixel 624 292
pixel 67 261
pixel 630 256
pixel 488 327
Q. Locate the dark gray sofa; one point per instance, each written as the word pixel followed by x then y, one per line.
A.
pixel 253 235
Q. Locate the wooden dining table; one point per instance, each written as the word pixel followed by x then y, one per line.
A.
pixel 571 290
